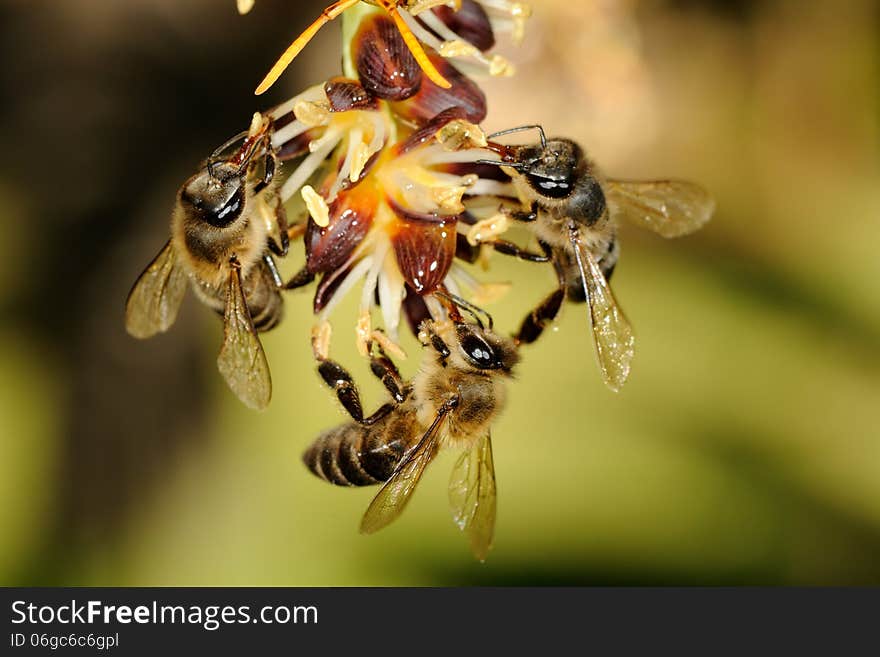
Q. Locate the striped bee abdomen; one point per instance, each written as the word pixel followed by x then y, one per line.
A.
pixel 356 455
pixel 264 301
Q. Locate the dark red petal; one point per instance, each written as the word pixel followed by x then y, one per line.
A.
pixel 346 95
pixel 431 100
pixel 464 250
pixel 293 148
pixel 415 310
pixel 424 252
pixel 327 287
pixel 351 216
pixel 405 214
pixel 429 130
pixel 470 23
pixel 385 65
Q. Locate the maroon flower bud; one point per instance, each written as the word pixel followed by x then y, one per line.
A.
pixel 470 22
pixel 386 67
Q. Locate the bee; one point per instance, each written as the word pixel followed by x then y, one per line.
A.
pixel 225 220
pixel 452 402
pixel 392 8
pixel 574 212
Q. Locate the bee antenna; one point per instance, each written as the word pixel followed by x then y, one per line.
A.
pixel 214 159
pixel 521 128
pixel 518 166
pixel 471 309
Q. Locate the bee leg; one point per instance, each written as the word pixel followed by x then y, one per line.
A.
pixel 386 371
pixel 268 174
pixel 302 278
pixel 273 270
pixel 282 246
pixel 521 215
pixel 535 322
pixel 428 336
pixel 511 249
pixel 381 412
pixel 338 378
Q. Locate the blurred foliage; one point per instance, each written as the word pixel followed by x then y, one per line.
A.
pixel 745 448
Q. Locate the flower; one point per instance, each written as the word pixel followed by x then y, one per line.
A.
pixel 397 226
pixel 461 29
pixel 387 161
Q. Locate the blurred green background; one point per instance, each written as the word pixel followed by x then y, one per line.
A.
pixel 744 450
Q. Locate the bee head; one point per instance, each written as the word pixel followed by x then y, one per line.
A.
pixel 550 167
pixel 215 195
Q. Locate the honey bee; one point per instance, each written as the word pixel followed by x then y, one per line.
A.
pixel 574 212
pixel 225 220
pixel 392 8
pixel 451 403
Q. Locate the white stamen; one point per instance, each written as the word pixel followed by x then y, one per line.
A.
pixel 312 93
pixel 368 294
pixel 391 293
pixel 288 133
pixel 354 276
pixel 438 155
pixel 305 170
pixel 486 187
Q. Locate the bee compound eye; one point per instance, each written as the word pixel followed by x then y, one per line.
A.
pixel 220 208
pixel 479 352
pixel 229 211
pixel 552 187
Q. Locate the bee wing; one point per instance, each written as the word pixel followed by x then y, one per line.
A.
pixel 394 495
pixel 472 496
pixel 242 361
pixel 612 332
pixel 154 300
pixel 670 208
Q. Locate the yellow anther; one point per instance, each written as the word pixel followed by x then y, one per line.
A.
pixel 363 332
pixel 321 334
pixel 449 198
pixel 316 205
pixel 501 67
pixel 520 13
pixel 457 48
pixel 416 7
pixel 388 345
pixel 311 113
pixel 487 293
pixel 359 160
pixel 256 124
pixel 460 135
pixel 488 229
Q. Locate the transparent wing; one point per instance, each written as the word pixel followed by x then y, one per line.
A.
pixel 612 332
pixel 242 361
pixel 154 300
pixel 393 497
pixel 670 208
pixel 472 496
